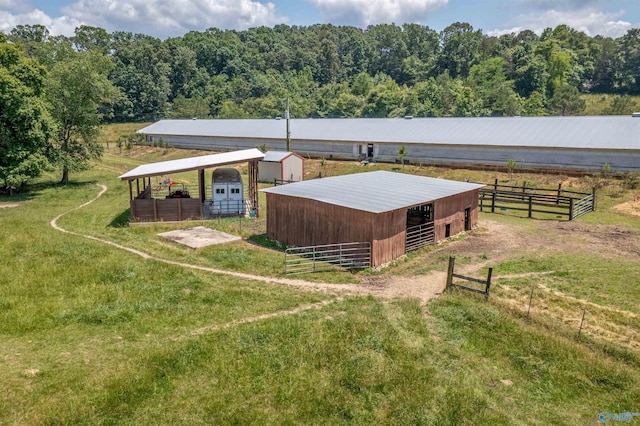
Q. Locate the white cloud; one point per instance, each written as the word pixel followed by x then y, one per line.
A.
pixel 367 12
pixel 56 26
pixel 173 17
pixel 160 18
pixel 590 21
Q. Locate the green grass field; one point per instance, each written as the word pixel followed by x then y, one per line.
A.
pixel 92 334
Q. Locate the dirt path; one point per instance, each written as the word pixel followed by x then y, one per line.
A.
pixel 426 288
pixel 8 205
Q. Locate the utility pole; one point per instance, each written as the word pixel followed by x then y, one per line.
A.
pixel 287 116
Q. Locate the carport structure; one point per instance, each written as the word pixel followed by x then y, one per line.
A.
pixel 146 208
pixel 393 212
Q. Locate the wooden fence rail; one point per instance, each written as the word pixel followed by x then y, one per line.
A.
pixel 558 202
pixel 451 284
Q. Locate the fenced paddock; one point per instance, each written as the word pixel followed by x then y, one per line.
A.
pixel 544 203
pixel 299 260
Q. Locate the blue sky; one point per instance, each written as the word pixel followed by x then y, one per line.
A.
pixel 169 18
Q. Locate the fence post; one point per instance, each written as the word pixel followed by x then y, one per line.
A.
pixel 559 192
pixel 493 201
pixel 524 188
pixel 493 196
pixel 452 262
pixel 530 207
pixel 593 200
pixel 584 311
pixel 314 259
pixel 486 293
pixel 571 208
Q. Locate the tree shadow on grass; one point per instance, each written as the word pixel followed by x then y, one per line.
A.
pixel 122 220
pixel 34 190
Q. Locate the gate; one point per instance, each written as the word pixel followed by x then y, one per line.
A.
pixel 298 260
pixel 419 236
pixel 451 275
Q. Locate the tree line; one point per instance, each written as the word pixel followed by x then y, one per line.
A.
pixel 341 71
pixel 56 90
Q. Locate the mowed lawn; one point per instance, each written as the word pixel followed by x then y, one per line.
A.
pixel 92 334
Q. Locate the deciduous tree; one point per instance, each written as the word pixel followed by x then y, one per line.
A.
pixel 76 89
pixel 25 124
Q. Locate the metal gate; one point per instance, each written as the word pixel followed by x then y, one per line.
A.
pixel 298 260
pixel 419 236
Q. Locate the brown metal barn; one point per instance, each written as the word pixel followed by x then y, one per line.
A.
pixel 394 212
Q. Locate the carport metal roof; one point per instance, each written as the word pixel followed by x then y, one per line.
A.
pixel 192 163
pixel 374 192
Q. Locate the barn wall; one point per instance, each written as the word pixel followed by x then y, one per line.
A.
pixel 544 158
pixel 389 233
pixel 304 222
pixel 167 210
pixel 450 210
pixel 219 143
pixel 541 158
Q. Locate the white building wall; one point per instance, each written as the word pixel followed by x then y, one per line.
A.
pixel 292 168
pixel 268 171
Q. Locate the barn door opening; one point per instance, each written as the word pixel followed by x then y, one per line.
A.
pixel 419 229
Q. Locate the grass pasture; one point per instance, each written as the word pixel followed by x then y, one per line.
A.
pixel 93 334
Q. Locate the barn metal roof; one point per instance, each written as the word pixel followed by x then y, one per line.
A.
pixel 374 192
pixel 192 163
pixel 599 132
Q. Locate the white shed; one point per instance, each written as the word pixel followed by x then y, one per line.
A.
pixel 281 166
pixel 227 192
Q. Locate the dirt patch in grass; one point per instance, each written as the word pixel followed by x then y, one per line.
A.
pixel 8 205
pixel 499 241
pixel 606 240
pixel 630 208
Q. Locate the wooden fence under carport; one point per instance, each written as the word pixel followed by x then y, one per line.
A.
pixel 556 202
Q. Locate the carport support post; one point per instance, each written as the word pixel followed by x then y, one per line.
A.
pixel 253 185
pixel 201 188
